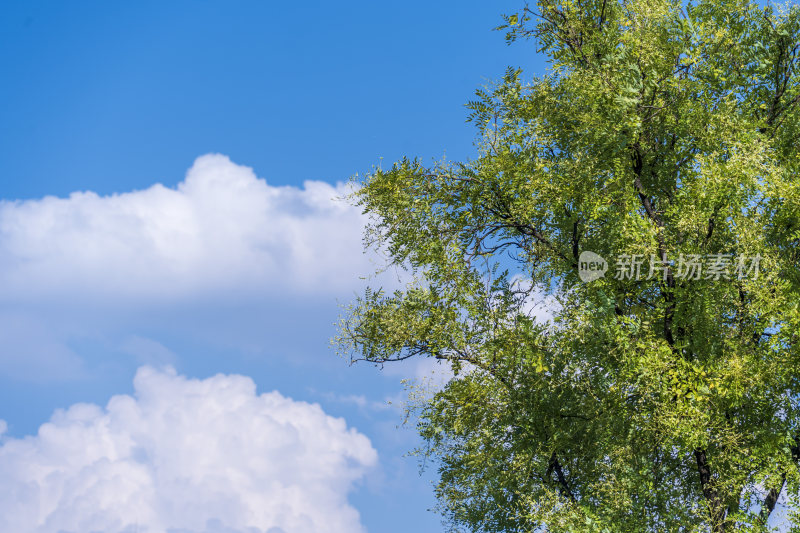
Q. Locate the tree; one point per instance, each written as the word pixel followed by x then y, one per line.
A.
pixel 665 138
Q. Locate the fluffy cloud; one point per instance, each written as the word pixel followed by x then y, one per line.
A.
pixel 184 455
pixel 221 229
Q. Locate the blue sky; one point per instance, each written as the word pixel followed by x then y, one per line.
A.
pixel 238 267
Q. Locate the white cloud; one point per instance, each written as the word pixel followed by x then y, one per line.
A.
pixel 185 455
pixel 221 229
pixel 212 258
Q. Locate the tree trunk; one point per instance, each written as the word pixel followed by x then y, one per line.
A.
pixel 715 506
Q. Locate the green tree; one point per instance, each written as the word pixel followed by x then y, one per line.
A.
pixel 663 131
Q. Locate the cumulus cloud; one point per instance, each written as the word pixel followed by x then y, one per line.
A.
pixel 221 229
pixel 185 456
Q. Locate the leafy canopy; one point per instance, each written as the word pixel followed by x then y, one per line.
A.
pixel 665 130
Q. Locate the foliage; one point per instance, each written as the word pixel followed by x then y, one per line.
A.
pixel 664 129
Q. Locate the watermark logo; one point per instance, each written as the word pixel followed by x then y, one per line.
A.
pixel 635 267
pixel 591 266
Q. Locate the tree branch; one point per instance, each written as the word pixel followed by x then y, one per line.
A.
pixel 555 466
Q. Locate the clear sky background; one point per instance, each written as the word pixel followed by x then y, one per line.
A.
pixel 116 263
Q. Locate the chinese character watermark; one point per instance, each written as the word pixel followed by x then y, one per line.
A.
pixel 693 267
